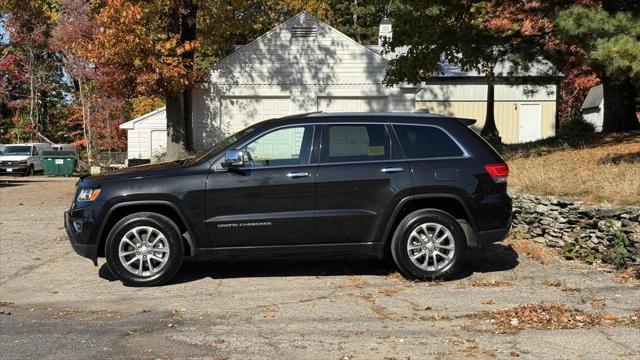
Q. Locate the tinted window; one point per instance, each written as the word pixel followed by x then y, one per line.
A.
pixel 426 142
pixel 346 143
pixel 288 146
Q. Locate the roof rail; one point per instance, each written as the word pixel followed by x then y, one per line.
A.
pixel 301 115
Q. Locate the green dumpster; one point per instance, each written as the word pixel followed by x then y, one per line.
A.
pixel 59 163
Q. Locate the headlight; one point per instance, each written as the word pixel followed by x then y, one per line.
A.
pixel 88 195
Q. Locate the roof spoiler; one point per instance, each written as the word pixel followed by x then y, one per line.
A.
pixel 467 122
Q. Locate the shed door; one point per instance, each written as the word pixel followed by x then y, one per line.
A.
pixel 158 143
pixel 353 104
pixel 240 112
pixel 530 122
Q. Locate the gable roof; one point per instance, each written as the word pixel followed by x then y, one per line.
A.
pixel 301 51
pixel 594 98
pixel 284 25
pixel 130 124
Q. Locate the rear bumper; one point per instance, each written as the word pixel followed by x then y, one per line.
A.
pixel 490 236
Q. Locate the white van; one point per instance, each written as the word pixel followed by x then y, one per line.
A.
pixel 22 158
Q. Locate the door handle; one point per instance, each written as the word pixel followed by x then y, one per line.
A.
pixel 295 175
pixel 390 170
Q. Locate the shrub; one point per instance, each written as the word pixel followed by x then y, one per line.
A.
pixel 617 254
pixel 575 129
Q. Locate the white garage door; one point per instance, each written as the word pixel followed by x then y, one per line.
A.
pixel 240 112
pixel 353 104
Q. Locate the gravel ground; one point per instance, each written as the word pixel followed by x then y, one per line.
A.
pixel 55 304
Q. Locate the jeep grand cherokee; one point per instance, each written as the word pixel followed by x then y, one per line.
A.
pixel 420 187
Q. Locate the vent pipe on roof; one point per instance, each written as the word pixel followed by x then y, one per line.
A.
pixel 385 31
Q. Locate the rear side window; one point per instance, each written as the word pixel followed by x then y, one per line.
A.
pixel 348 143
pixel 426 142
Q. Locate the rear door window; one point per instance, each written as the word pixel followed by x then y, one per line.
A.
pixel 355 143
pixel 426 142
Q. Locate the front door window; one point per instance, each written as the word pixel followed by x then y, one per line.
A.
pixel 284 147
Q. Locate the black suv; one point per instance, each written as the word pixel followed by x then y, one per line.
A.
pixel 419 187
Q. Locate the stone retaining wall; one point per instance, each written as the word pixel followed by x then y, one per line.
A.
pixel 588 232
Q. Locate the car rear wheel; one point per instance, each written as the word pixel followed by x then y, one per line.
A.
pixel 144 249
pixel 428 244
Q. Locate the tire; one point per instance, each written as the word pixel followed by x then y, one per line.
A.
pixel 449 252
pixel 159 262
pixel 30 172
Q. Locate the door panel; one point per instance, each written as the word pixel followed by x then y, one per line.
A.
pixel 158 143
pixel 271 199
pixel 353 199
pixel 530 122
pixel 261 207
pixel 357 183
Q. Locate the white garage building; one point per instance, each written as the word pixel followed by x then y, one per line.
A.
pixel 305 65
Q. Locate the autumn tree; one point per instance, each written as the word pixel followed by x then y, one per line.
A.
pixel 162 47
pixel 445 30
pixel 30 75
pixel 586 39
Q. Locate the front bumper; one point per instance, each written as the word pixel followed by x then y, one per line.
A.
pixel 14 170
pixel 81 229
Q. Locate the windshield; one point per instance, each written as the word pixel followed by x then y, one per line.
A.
pixel 224 143
pixel 17 150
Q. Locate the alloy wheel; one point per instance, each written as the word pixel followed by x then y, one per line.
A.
pixel 431 246
pixel 144 251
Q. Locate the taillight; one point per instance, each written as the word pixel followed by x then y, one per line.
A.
pixel 498 172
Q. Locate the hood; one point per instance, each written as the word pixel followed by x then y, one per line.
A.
pixel 137 172
pixel 14 157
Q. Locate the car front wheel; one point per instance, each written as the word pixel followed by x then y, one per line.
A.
pixel 428 244
pixel 144 249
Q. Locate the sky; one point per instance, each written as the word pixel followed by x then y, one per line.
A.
pixel 3 33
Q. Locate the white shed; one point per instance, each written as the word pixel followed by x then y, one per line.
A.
pixel 147 135
pixel 593 107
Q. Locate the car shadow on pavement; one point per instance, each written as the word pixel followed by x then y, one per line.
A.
pixel 495 258
pixel 18 181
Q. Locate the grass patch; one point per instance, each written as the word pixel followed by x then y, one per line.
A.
pixel 600 168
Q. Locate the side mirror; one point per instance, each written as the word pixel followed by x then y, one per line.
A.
pixel 233 159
